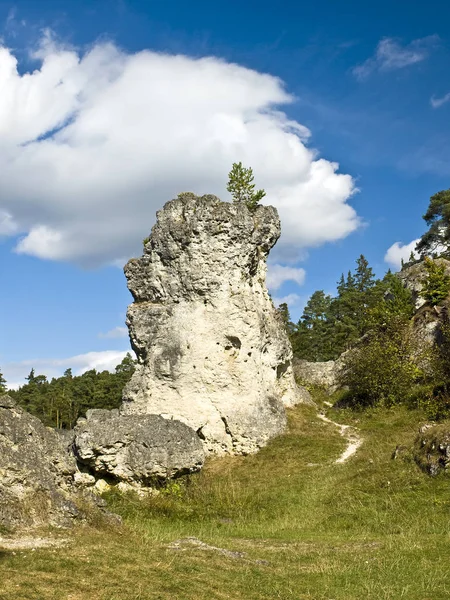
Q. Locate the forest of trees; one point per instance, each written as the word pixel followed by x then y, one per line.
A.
pixel 368 314
pixel 330 325
pixel 59 402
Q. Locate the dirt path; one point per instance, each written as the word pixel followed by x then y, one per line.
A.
pixel 354 440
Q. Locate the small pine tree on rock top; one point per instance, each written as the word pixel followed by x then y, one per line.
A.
pixel 242 188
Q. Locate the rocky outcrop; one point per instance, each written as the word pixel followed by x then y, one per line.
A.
pixel 412 278
pixel 432 449
pixel 141 449
pixel 427 321
pixel 320 374
pixel 36 472
pixel 212 351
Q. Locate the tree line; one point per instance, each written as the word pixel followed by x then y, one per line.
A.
pixel 331 325
pixel 62 400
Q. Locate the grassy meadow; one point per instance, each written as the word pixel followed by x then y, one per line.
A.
pixel 299 527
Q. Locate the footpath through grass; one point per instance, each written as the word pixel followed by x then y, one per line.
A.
pixel 372 528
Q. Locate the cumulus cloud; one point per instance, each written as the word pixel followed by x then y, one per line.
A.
pixel 117 332
pixel 279 274
pixel 91 145
pixel 292 300
pixel 390 55
pixel 438 102
pixel 398 252
pixel 16 372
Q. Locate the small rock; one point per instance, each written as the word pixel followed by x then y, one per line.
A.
pixel 101 486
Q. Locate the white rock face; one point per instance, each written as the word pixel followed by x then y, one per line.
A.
pixel 212 350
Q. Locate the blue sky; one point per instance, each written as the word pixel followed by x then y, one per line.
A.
pixel 109 108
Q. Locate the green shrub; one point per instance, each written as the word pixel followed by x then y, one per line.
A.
pixel 381 369
pixel 436 285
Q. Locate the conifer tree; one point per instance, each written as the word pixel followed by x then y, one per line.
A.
pixel 242 188
pixel 3 386
pixel 436 285
pixel 437 239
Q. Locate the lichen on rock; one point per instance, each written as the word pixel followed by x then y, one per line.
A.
pixel 139 449
pixel 36 472
pixel 211 349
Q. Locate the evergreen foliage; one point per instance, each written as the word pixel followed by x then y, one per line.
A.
pixel 283 311
pixel 382 368
pixel 330 326
pixel 435 399
pixel 59 402
pixel 3 386
pixel 436 285
pixel 436 241
pixel 242 188
pixel 312 337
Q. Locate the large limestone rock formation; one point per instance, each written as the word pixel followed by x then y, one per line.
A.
pixel 136 448
pixel 36 472
pixel 212 351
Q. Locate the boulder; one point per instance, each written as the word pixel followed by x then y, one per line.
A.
pixel 432 448
pixel 212 350
pixel 320 374
pixel 136 448
pixel 36 472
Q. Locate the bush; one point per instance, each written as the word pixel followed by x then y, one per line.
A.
pixel 436 285
pixel 381 369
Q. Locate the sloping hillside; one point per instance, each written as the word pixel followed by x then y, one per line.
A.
pixel 286 523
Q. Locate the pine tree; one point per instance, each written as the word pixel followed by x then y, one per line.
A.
pixel 283 311
pixel 242 188
pixel 437 239
pixel 436 285
pixel 311 340
pixel 3 386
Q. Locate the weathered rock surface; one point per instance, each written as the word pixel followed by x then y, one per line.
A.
pixel 321 374
pixel 136 448
pixel 212 351
pixel 36 472
pixel 412 278
pixel 427 321
pixel 432 449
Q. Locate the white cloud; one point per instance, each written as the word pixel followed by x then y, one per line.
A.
pixel 92 145
pixel 278 274
pixel 292 300
pixel 399 251
pixel 16 372
pixel 438 102
pixel 117 332
pixel 390 55
pixel 7 225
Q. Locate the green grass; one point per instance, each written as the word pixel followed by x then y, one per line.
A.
pixel 373 528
